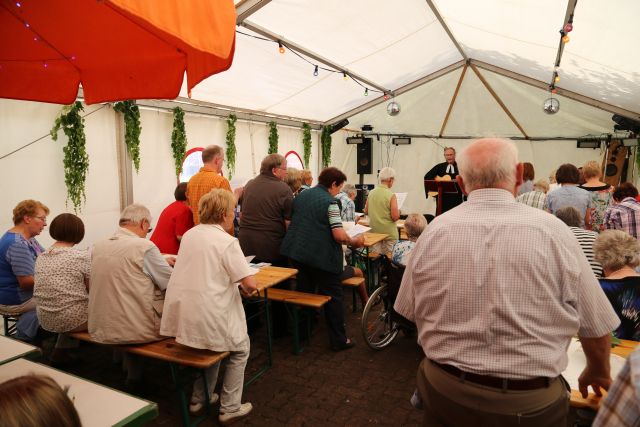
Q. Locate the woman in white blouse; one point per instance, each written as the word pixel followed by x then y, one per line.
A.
pixel 203 305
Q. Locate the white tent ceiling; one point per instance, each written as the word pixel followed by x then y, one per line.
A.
pixel 396 46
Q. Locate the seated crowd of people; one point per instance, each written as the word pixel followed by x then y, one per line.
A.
pixel 128 289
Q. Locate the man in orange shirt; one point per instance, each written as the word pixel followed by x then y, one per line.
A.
pixel 208 178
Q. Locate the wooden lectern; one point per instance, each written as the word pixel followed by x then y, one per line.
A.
pixel 440 187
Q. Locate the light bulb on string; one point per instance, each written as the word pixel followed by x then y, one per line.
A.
pixel 556 78
pixel 344 76
pixel 366 91
pixel 386 97
pixel 281 48
pixel 568 27
pixel 565 39
pixel 315 71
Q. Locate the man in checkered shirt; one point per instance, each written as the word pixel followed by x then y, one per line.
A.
pixel 497 290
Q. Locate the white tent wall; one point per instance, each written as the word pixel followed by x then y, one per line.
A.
pixel 37 172
pixel 412 162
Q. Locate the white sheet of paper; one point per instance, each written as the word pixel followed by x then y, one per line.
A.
pixel 249 257
pixel 357 229
pixel 578 361
pixel 401 197
pixel 359 214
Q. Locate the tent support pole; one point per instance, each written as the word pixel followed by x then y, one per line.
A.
pixel 124 164
pixel 498 100
pixel 246 8
pixel 453 100
pixel 435 11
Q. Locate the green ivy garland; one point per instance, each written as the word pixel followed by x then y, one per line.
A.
pixel 325 143
pixel 76 159
pixel 178 139
pixel 273 137
pixel 131 114
pixel 231 144
pixel 306 142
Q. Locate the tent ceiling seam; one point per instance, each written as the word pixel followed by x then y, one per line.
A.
pixel 498 100
pixel 409 86
pixel 316 57
pixel 563 92
pixel 445 27
pixel 453 99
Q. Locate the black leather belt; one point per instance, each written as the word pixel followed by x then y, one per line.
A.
pixel 495 382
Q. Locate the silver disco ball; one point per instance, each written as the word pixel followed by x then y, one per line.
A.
pixel 551 106
pixel 393 108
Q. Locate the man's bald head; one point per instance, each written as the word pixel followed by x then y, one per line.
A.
pixel 490 163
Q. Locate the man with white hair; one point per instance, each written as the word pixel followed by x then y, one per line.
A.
pixel 494 321
pixel 128 279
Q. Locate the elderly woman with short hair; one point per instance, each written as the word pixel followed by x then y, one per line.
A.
pixel 203 305
pixel 600 194
pixel 313 244
pixel 570 216
pixel 294 180
pixel 347 206
pixel 382 208
pixel 619 254
pixel 414 225
pixel 18 252
pixel 307 179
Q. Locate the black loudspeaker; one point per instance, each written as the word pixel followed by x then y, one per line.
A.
pixel 614 166
pixel 364 157
pixel 362 193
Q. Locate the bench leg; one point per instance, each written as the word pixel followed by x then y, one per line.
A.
pixel 180 385
pixel 269 364
pixel 297 348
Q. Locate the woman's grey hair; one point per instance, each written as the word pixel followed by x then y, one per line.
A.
pixel 134 214
pixel 271 161
pixel 488 163
pixel 541 185
pixel 349 189
pixel 570 216
pixel 615 249
pixel 414 225
pixel 386 174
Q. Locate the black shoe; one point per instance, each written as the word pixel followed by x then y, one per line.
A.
pixel 344 346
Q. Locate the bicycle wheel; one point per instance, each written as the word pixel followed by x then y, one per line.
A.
pixel 377 328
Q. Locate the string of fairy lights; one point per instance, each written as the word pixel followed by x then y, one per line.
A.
pixel 283 48
pixel 552 105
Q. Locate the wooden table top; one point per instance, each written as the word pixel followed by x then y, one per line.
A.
pixel 624 349
pixel 270 276
pixel 371 239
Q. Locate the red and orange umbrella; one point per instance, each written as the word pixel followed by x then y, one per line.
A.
pixel 117 49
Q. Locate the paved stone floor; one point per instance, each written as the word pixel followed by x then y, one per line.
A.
pixel 317 388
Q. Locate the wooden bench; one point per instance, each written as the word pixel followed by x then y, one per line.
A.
pixel 168 350
pixel 353 283
pixel 293 300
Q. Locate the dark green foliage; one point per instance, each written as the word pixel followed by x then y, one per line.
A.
pixel 325 143
pixel 76 159
pixel 132 129
pixel 231 144
pixel 273 137
pixel 178 139
pixel 306 142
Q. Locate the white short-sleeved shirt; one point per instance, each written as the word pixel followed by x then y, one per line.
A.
pixel 203 306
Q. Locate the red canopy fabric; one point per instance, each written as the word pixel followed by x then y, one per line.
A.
pixel 117 49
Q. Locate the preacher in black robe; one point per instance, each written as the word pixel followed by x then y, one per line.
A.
pixel 450 167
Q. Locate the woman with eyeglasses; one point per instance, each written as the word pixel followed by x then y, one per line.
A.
pixel 18 252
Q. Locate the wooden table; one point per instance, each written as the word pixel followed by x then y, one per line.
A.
pixel 97 405
pixel 364 220
pixel 11 349
pixel 624 349
pixel 267 277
